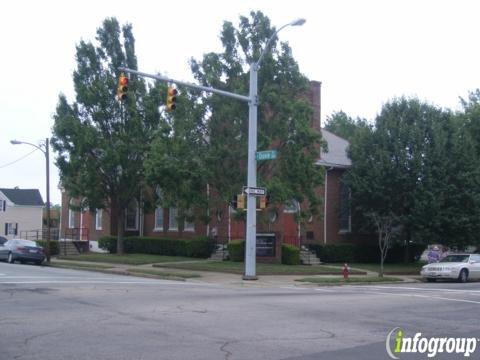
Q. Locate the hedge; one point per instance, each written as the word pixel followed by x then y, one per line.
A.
pixel 53 246
pixel 200 247
pixel 290 254
pixel 236 250
pixel 364 253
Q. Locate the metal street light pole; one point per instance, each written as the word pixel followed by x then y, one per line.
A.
pixel 46 152
pixel 250 246
pixel 252 99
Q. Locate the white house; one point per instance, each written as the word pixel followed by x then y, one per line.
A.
pixel 20 210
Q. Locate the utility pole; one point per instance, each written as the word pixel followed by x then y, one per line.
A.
pixel 45 149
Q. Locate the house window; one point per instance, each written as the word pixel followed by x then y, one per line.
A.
pixel 189 225
pixel 272 216
pixel 291 206
pixel 172 219
pixel 345 216
pixel 3 205
pixel 131 216
pixel 71 215
pixel 158 219
pixel 11 228
pixel 98 219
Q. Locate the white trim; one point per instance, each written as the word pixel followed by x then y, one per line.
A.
pixel 155 227
pixel 99 219
pixel 291 207
pixel 170 217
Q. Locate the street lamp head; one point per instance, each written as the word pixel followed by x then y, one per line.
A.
pixel 298 22
pixel 15 142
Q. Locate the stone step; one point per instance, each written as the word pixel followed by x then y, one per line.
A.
pixel 309 257
pixel 67 248
pixel 219 255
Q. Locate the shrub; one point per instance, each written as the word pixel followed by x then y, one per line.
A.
pixel 364 253
pixel 290 254
pixel 236 250
pixel 53 246
pixel 334 253
pixel 108 243
pixel 200 247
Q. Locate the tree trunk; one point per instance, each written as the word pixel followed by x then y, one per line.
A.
pixel 382 252
pixel 406 252
pixel 120 232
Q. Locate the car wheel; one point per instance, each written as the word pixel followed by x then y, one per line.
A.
pixel 463 276
pixel 38 262
pixel 431 279
pixel 10 258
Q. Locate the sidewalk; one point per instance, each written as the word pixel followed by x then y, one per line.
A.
pixel 225 279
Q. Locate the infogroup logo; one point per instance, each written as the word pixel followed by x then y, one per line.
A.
pixel 397 343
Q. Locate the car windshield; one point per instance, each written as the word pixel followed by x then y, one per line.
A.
pixel 455 258
pixel 26 243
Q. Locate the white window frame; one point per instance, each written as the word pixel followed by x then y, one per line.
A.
pixel 291 206
pixel 12 229
pixel 172 219
pixel 137 214
pixel 189 226
pixel 156 225
pixel 99 219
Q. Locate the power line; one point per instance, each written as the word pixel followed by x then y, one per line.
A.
pixel 15 161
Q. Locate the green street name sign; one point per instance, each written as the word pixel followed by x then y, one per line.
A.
pixel 266 155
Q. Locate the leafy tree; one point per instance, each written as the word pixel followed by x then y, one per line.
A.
pixel 283 119
pixel 417 170
pixel 343 125
pixel 100 142
pixel 175 161
pixel 387 165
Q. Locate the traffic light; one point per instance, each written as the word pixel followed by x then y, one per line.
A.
pixel 263 202
pixel 240 201
pixel 122 87
pixel 171 98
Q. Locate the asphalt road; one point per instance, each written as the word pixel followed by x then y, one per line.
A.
pixel 51 313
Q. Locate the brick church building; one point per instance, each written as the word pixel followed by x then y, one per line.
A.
pixel 333 226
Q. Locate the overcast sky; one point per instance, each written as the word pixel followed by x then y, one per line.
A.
pixel 364 53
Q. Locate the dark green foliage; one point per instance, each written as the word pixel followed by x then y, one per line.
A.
pixel 415 176
pixel 101 143
pixel 108 243
pixel 201 247
pixel 284 116
pixel 53 246
pixel 335 253
pixel 343 125
pixel 236 250
pixel 341 253
pixel 290 254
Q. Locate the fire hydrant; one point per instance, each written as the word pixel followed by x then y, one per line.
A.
pixel 346 271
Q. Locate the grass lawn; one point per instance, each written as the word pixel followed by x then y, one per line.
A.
pixel 165 274
pixel 352 280
pixel 262 269
pixel 390 269
pixel 79 265
pixel 129 259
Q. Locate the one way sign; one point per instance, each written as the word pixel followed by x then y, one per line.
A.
pixel 255 191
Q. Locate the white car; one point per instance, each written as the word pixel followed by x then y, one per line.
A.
pixel 455 266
